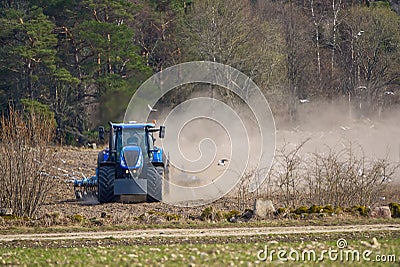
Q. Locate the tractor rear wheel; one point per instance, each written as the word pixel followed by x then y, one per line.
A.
pixel 164 173
pixel 154 185
pixel 106 184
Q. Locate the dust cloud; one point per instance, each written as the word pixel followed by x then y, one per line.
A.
pixel 211 143
pixel 202 141
pixel 337 125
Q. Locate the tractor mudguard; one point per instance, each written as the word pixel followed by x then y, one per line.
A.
pixel 158 157
pixel 102 156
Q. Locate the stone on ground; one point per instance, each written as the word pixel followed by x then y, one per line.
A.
pixel 263 208
pixel 381 212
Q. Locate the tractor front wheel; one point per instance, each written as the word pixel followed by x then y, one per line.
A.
pixel 106 184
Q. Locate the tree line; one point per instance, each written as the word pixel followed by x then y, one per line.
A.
pixel 81 61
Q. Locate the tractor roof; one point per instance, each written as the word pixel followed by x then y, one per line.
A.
pixel 134 125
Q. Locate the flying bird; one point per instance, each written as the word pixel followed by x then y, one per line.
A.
pixel 151 109
pixel 386 179
pixel 222 162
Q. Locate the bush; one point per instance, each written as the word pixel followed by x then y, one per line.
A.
pixel 282 211
pixel 395 210
pixel 361 210
pixel 25 161
pixel 78 218
pixel 211 214
pixel 301 210
pixel 232 214
pixel 340 177
pixel 315 209
pixel 328 209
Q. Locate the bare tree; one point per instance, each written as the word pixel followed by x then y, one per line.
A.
pixel 237 34
pixel 372 45
pixel 336 7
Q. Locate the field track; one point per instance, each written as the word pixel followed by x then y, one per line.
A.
pixel 210 232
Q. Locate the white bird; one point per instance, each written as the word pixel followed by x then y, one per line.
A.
pixel 389 93
pixel 151 109
pixel 304 101
pixel 193 178
pixel 222 162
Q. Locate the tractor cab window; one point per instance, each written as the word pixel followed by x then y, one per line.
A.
pixel 134 137
pixel 117 141
pixel 150 139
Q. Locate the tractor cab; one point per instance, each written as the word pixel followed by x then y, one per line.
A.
pixel 132 144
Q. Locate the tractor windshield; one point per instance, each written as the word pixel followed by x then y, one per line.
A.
pixel 134 137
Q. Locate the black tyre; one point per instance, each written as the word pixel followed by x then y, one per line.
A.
pixel 154 185
pixel 106 184
pixel 164 174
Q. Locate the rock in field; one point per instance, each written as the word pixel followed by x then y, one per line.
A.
pixel 263 208
pixel 381 212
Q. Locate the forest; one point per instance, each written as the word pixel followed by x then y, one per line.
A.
pixel 79 62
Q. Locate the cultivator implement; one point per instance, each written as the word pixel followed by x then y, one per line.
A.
pixel 86 187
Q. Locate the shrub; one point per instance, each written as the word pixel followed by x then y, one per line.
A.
pixel 25 161
pixel 232 214
pixel 328 209
pixel 316 209
pixel 172 217
pixel 301 210
pixel 361 210
pixel 78 218
pixel 211 214
pixel 281 211
pixel 395 210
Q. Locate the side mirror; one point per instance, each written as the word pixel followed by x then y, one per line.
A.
pixel 101 133
pixel 161 134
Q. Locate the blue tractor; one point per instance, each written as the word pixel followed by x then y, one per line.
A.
pixel 132 169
